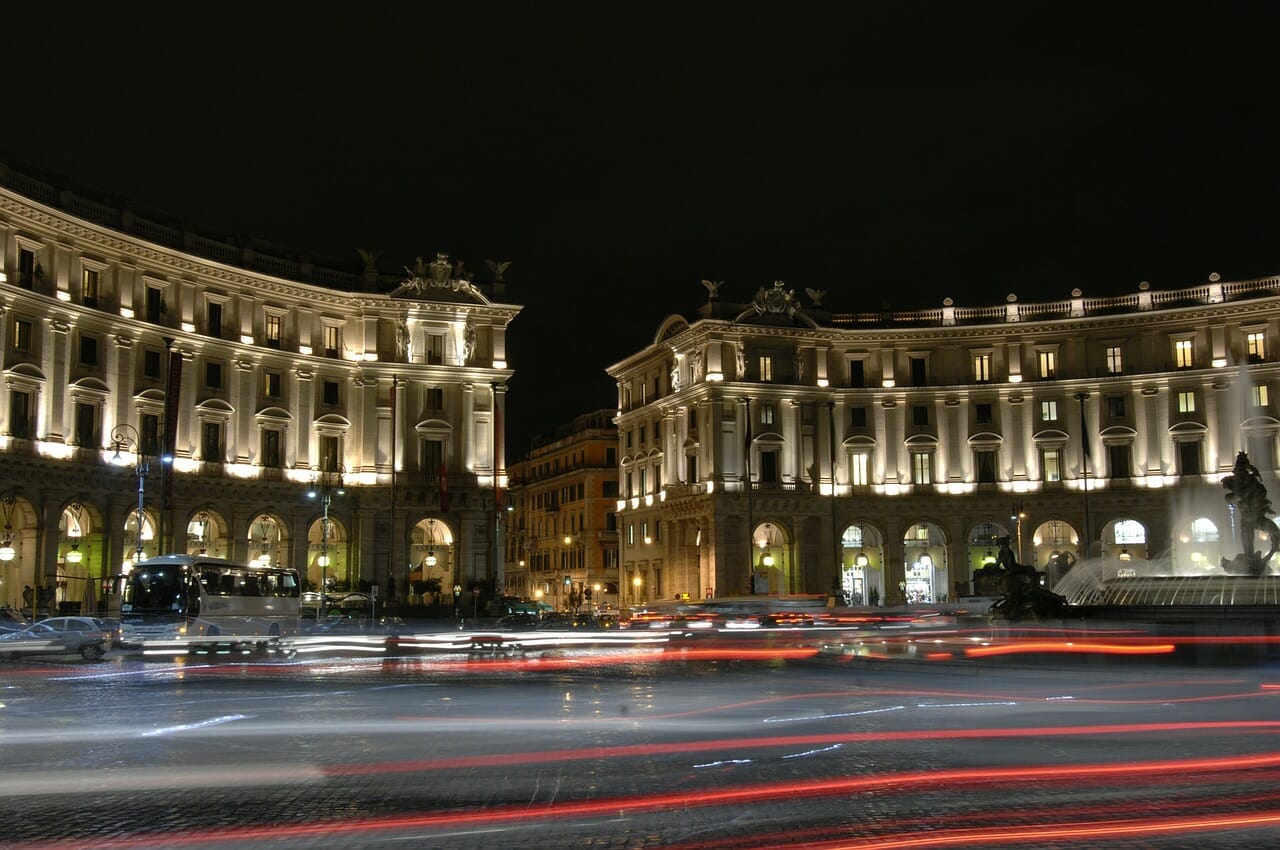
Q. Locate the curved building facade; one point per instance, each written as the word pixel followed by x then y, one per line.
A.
pixel 164 392
pixel 771 446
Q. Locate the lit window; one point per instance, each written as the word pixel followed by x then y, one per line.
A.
pixel 1260 395
pixel 1186 402
pixel 21 335
pixel 1048 364
pixel 982 368
pixel 1182 354
pixel 89 287
pixel 1115 360
pixel 766 413
pixel 766 367
pixel 859 463
pixel 332 340
pixel 1256 343
pixel 1130 531
pixel 273 331
pixel 1051 464
pixel 1049 411
pixel 922 467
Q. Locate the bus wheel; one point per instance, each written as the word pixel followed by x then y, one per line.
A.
pixel 91 652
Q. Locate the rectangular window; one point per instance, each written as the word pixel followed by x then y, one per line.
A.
pixel 1182 354
pixel 1256 345
pixel 155 304
pixel 211 442
pixel 1048 411
pixel 1260 398
pixel 432 459
pixel 330 392
pixel 272 327
pixel 1118 459
pixel 1051 464
pixel 982 413
pixel 919 371
pixel 984 463
pixel 982 368
pixel 766 413
pixel 88 351
pixel 271 384
pixel 765 365
pixel 920 415
pixel 213 319
pixel 150 434
pixel 435 398
pixel 26 268
pixel 20 424
pixel 1115 360
pixel 859 464
pixel 768 467
pixel 858 417
pixel 22 336
pixel 213 376
pixel 151 364
pixel 922 467
pixel 1189 457
pixel 857 373
pixel 691 469
pixel 1115 406
pixel 435 348
pixel 270 456
pixel 89 287
pixel 330 453
pixel 86 424
pixel 1048 364
pixel 644 482
pixel 1186 402
pixel 332 340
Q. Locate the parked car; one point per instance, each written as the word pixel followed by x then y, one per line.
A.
pixel 88 637
pixel 12 620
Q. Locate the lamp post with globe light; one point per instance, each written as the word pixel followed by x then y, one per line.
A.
pixel 124 437
pixel 324 487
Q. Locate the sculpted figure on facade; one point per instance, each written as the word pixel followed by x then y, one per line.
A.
pixel 740 361
pixel 468 342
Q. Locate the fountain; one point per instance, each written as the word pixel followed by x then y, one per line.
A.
pixel 1247 579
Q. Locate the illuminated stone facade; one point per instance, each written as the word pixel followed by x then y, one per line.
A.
pixel 248 382
pixel 561 540
pixel 887 453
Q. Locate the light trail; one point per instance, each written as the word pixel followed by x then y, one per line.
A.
pixel 772 792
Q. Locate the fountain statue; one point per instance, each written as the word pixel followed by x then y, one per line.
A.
pixel 1024 597
pixel 1248 499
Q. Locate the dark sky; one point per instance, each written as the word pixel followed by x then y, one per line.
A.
pixel 617 154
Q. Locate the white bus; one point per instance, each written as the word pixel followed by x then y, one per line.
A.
pixel 178 603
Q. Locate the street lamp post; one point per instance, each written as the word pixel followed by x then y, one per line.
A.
pixel 125 436
pixel 324 487
pixel 1082 397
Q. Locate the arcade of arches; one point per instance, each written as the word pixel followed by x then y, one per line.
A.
pixel 85 551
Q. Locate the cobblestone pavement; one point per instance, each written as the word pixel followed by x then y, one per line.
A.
pixel 640 753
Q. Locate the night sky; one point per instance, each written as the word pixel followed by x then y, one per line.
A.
pixel 617 154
